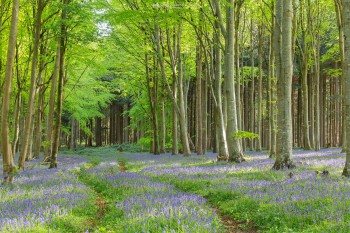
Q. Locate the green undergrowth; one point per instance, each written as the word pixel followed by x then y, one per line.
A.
pixel 114 219
pixel 262 215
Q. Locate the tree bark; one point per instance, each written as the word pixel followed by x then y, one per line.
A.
pixel 98 130
pixel 40 109
pixel 175 148
pixel 284 86
pixel 17 121
pixel 61 76
pixel 252 87
pixel 199 141
pixel 7 159
pixel 260 89
pixel 50 116
pixel 152 84
pixel 346 20
pixel 162 127
pixel 182 111
pixel 234 146
pixel 26 140
pixel 339 16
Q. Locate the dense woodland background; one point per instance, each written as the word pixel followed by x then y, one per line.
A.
pixel 176 76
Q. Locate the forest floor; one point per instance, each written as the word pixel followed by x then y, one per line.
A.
pixel 103 190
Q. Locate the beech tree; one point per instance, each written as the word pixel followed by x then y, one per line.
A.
pixel 284 17
pixel 8 163
pixel 346 21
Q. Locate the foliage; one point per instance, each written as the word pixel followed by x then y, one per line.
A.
pixel 241 134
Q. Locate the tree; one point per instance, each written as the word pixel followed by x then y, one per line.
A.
pixel 8 164
pixel 31 102
pixel 346 21
pixel 284 9
pixel 61 75
pixel 234 145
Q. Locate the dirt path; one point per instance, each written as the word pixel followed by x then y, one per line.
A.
pixel 234 226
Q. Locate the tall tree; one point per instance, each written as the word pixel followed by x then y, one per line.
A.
pixel 26 140
pixel 340 24
pixel 284 86
pixel 234 145
pixel 55 136
pixel 346 21
pixel 8 164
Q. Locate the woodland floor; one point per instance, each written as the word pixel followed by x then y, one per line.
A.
pixel 103 190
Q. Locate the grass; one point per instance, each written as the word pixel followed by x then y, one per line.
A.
pixel 164 193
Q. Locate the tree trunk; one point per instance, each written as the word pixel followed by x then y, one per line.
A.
pixel 31 101
pixel 58 113
pixel 50 117
pixel 199 141
pixel 221 141
pixel 252 87
pixel 73 134
pixel 182 112
pixel 17 122
pixel 284 86
pixel 339 16
pixel 346 20
pixel 175 148
pixel 29 152
pixel 152 84
pixel 163 127
pixel 234 146
pixel 205 111
pixel 40 108
pixel 7 159
pixel 260 118
pixel 271 93
pixel 304 51
pixel 237 15
pixel 125 124
pixel 98 130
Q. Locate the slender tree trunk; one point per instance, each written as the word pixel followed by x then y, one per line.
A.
pixel 125 124
pixel 182 111
pixel 50 117
pixel 260 89
pixel 305 104
pixel 346 20
pixel 220 123
pixel 40 109
pixel 205 111
pixel 17 121
pixel 221 141
pixel 73 134
pixel 98 130
pixel 162 127
pixel 312 109
pixel 234 146
pixel 199 146
pixel 304 51
pixel 339 16
pixel 29 152
pixel 275 73
pixel 252 86
pixel 152 83
pixel 284 86
pixel 175 148
pixel 237 15
pixel 31 101
pixel 7 159
pixel 58 113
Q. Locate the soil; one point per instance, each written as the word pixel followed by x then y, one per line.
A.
pixel 234 226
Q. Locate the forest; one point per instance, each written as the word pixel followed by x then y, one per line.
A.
pixel 175 116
